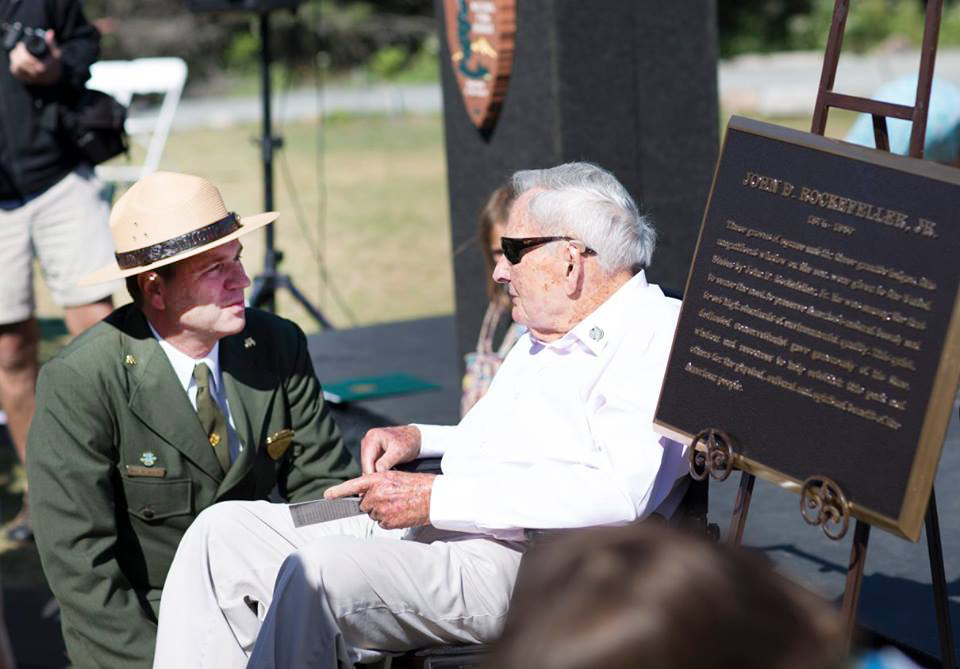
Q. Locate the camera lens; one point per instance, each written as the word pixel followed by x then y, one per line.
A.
pixel 36 45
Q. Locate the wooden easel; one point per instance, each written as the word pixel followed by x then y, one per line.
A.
pixel 880 111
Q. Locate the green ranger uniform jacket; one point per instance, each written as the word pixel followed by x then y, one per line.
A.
pixel 119 466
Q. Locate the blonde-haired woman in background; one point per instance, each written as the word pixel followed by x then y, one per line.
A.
pixel 483 363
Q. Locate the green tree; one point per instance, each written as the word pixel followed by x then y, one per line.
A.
pixel 394 35
pixel 749 26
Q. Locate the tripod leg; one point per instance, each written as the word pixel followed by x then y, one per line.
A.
pixel 740 509
pixel 940 596
pixel 263 294
pixel 851 593
pixel 284 281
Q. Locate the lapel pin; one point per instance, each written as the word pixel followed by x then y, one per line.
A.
pixel 249 342
pixel 596 334
pixel 129 360
pixel 214 439
pixel 148 459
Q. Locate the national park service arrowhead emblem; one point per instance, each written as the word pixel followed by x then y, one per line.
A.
pixel 481 36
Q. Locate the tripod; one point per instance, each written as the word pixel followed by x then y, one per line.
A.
pixel 265 284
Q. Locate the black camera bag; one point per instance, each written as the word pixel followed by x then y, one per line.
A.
pixel 94 125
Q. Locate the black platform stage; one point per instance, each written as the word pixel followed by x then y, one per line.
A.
pixel 896 599
pixel 424 348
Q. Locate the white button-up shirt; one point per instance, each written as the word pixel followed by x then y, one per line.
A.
pixel 564 436
pixel 183 366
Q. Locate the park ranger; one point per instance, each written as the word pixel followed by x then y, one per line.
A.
pixel 177 401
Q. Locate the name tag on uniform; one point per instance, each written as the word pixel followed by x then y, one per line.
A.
pixel 154 472
pixel 279 442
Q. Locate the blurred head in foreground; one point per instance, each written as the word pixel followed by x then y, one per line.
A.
pixel 652 596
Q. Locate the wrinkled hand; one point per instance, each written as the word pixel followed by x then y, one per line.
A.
pixel 394 499
pixel 25 67
pixel 383 447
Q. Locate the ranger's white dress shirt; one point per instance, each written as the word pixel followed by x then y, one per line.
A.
pixel 183 366
pixel 564 436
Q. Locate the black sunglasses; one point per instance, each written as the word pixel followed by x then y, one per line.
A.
pixel 514 248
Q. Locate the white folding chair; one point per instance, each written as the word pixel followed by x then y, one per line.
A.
pixel 125 79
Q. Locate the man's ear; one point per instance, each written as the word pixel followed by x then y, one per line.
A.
pixel 573 278
pixel 151 285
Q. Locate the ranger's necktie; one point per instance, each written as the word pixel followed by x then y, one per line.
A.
pixel 211 417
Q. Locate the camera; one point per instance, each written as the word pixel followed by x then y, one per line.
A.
pixel 34 39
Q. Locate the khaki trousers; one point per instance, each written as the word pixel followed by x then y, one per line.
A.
pixel 342 592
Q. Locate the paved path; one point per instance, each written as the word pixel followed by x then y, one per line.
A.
pixel 768 85
pixel 786 84
pixel 305 104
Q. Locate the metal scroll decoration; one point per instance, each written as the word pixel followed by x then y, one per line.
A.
pixel 481 36
pixel 823 503
pixel 711 454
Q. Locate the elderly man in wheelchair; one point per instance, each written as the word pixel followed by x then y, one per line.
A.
pixel 563 439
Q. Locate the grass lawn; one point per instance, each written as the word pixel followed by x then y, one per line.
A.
pixel 363 209
pixel 363 206
pixel 364 220
pixel 839 122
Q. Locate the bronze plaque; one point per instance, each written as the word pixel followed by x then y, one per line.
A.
pixel 480 36
pixel 820 322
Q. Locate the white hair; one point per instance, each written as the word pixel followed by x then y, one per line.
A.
pixel 584 201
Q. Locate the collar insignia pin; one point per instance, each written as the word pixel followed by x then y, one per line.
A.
pixel 596 334
pixel 129 360
pixel 249 342
pixel 148 459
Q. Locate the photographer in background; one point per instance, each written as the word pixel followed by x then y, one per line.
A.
pixel 51 204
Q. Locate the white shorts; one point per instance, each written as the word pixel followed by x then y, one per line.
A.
pixel 66 229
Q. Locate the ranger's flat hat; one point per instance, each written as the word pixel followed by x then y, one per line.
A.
pixel 166 217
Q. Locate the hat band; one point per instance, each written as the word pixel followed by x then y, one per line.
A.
pixel 171 247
